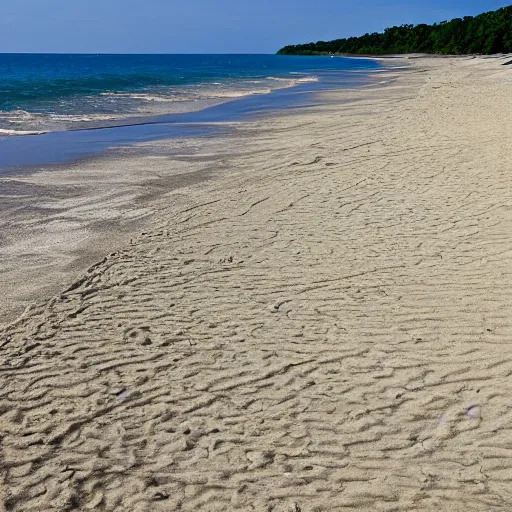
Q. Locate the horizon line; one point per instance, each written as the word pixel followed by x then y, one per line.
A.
pixel 133 53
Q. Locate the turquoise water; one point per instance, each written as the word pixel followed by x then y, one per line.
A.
pixel 40 93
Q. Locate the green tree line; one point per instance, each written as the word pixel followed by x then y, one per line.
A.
pixel 486 33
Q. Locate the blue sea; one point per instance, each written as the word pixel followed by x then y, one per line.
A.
pixel 48 93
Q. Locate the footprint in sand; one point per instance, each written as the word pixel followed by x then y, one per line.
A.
pixel 138 335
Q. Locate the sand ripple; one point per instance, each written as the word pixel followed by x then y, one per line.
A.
pixel 324 327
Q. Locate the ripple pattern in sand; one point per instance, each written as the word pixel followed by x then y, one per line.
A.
pixel 327 328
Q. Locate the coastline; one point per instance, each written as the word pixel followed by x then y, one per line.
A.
pixel 323 326
pixel 75 196
pixel 55 93
pixel 95 139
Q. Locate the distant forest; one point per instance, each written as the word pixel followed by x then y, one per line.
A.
pixel 486 33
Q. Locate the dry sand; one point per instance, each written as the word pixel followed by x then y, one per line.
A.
pixel 326 325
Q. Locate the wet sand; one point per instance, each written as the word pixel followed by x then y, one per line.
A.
pixel 322 324
pixel 70 198
pixel 58 221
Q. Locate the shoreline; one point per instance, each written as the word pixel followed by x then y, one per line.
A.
pixel 323 326
pixel 105 89
pixel 134 130
pixel 60 218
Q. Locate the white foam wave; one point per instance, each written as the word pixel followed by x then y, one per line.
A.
pixel 294 81
pixel 145 97
pixel 116 106
pixel 214 90
pixel 19 132
pixel 84 117
pixel 239 94
pixel 17 115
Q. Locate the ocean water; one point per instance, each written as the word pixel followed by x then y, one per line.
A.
pixel 46 93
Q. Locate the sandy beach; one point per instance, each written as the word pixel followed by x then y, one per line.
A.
pixel 312 315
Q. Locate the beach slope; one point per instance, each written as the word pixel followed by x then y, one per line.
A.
pixel 323 326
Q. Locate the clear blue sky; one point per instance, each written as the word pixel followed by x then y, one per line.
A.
pixel 207 26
